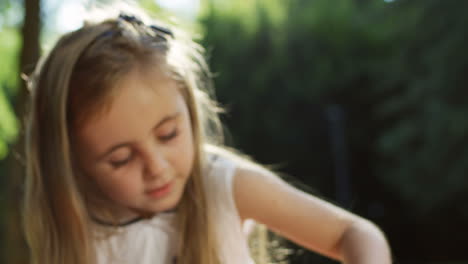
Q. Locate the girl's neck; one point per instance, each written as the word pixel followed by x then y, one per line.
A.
pixel 111 214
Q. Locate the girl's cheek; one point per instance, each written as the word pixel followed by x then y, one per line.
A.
pixel 132 167
pixel 128 181
pixel 109 177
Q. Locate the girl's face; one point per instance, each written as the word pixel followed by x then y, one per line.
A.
pixel 140 153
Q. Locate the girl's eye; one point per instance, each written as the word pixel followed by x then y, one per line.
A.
pixel 169 136
pixel 119 163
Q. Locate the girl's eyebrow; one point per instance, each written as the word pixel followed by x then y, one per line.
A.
pixel 166 119
pixel 124 144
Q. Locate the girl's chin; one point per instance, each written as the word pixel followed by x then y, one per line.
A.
pixel 150 212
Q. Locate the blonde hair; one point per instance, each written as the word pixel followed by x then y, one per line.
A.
pixel 70 85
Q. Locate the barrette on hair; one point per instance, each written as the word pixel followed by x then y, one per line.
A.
pixel 155 28
pixel 130 18
pixel 162 29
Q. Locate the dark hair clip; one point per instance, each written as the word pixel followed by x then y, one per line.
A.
pixel 130 18
pixel 156 29
pixel 163 30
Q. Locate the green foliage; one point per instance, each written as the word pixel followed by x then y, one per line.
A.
pixel 8 126
pixel 398 72
pixel 9 47
pixel 9 44
pixel 275 67
pixel 423 149
pixel 395 68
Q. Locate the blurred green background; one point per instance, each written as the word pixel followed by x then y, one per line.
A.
pixel 361 102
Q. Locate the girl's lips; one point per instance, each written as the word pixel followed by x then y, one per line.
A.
pixel 161 191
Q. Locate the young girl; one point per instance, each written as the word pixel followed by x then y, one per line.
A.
pixel 125 162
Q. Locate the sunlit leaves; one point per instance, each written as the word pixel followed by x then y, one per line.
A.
pixel 9 45
pixel 8 125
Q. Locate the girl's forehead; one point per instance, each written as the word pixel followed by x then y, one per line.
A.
pixel 141 102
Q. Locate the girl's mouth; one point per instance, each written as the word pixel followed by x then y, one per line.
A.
pixel 161 191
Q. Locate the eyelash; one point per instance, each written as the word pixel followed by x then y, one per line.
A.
pixel 169 136
pixel 118 164
pixel 165 138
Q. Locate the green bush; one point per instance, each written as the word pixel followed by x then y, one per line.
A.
pixel 396 73
pixel 9 44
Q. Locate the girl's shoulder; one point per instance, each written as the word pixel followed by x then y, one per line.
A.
pixel 219 166
pixel 216 156
pixel 220 169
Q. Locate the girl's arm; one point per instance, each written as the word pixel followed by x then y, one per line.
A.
pixel 307 220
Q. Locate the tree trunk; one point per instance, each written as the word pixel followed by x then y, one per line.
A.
pixel 15 246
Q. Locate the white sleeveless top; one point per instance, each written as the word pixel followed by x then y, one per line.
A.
pixel 153 241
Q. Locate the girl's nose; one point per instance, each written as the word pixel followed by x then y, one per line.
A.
pixel 155 164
